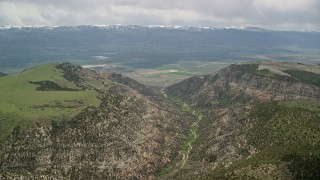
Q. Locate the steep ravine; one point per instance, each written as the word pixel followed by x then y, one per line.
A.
pixel 180 161
pixel 257 124
pixel 249 121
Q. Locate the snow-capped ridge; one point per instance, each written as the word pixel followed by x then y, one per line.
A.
pixel 122 27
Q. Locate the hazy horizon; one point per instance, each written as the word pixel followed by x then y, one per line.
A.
pixel 174 26
pixel 301 15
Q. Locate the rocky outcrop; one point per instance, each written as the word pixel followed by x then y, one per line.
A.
pixel 129 136
pixel 250 123
pixel 241 82
pixel 81 76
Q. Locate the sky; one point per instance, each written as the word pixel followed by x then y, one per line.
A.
pixel 270 14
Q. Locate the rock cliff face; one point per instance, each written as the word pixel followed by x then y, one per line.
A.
pixel 243 82
pixel 250 121
pixel 132 134
pixel 253 119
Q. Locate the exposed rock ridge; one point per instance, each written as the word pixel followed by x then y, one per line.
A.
pixel 129 136
pixel 240 82
pixel 249 117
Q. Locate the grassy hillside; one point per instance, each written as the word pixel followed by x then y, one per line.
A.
pixel 25 97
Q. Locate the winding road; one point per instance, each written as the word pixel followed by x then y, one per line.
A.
pixel 185 156
pixel 194 137
pixel 185 153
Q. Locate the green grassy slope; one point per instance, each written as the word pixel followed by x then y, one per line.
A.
pixel 22 104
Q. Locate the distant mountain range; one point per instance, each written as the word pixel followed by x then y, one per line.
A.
pixel 151 46
pixel 177 27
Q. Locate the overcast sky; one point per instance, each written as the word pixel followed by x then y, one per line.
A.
pixel 271 14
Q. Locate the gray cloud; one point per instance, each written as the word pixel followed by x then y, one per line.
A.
pixel 273 14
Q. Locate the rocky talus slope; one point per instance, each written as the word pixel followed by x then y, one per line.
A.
pixel 246 82
pixel 261 121
pixel 256 120
pixel 132 134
